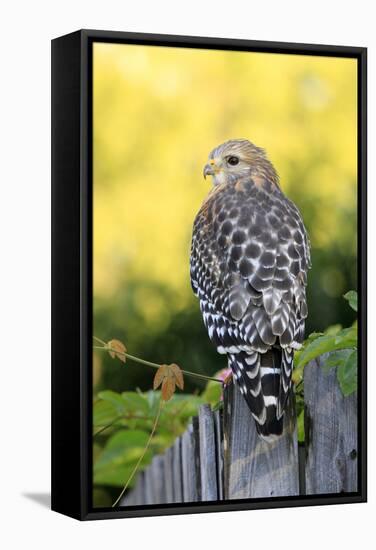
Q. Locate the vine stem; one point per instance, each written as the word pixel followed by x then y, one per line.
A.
pixel 103 428
pixel 142 455
pixel 149 363
pixel 99 340
pixel 121 417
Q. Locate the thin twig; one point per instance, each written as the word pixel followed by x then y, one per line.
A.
pixel 107 426
pixel 121 417
pixel 150 364
pixel 99 340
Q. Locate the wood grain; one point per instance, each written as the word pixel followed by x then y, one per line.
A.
pixel 190 474
pixel 208 455
pixel 332 438
pixel 253 467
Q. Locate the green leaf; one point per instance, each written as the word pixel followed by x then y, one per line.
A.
pixel 135 403
pixel 212 393
pixel 97 449
pixel 333 329
pixel 301 433
pixel 313 336
pixel 190 408
pixel 345 338
pixel 162 441
pixel 352 298
pixel 347 374
pixel 114 398
pixel 320 345
pixel 336 359
pixel 115 476
pixel 181 407
pixel 104 412
pixel 121 448
pixel 118 475
pixel 127 403
pixel 153 397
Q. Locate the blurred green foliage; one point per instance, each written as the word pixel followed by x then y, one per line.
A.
pixel 122 424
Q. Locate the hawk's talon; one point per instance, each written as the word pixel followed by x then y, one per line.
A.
pixel 227 381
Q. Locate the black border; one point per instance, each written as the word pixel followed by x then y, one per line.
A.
pixel 72 157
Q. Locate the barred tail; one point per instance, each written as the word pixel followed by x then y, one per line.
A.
pixel 259 378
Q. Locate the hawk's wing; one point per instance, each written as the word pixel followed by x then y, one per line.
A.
pixel 249 261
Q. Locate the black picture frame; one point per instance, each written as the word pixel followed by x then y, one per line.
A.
pixel 72 271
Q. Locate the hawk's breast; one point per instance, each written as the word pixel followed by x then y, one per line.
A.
pixel 249 262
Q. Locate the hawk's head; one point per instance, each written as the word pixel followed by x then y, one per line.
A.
pixel 237 158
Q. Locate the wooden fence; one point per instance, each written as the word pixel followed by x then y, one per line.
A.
pixel 221 457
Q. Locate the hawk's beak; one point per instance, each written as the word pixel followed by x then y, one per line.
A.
pixel 209 169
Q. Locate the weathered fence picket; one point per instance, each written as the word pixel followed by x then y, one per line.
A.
pixel 137 495
pixel 208 458
pixel 332 438
pixel 221 457
pixel 254 467
pixel 158 479
pixel 191 475
pixel 177 471
pixel 218 426
pixel 149 486
pixel 168 475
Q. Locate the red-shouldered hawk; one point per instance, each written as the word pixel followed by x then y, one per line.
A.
pixel 250 255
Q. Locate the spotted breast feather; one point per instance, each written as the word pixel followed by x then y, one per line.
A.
pixel 249 261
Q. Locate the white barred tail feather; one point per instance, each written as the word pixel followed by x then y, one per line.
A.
pixel 287 359
pixel 259 379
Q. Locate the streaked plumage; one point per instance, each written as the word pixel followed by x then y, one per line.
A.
pixel 250 255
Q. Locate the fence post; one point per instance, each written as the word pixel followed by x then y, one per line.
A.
pixel 149 486
pixel 191 474
pixel 177 471
pixel 253 467
pixel 331 422
pixel 218 426
pixel 208 458
pixel 169 474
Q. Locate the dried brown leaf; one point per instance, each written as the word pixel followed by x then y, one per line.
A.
pixel 159 376
pixel 117 349
pixel 168 376
pixel 179 380
pixel 168 388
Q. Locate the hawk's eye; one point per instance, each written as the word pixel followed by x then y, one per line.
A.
pixel 232 161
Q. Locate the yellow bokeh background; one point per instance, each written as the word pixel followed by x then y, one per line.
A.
pixel 158 112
